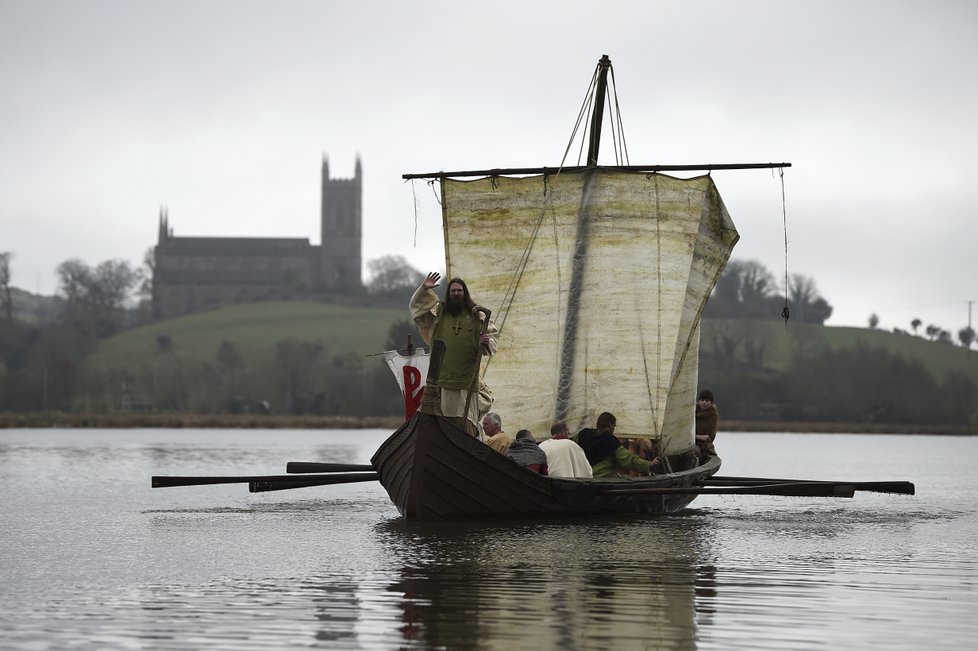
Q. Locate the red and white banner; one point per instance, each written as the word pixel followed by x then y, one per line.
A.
pixel 410 372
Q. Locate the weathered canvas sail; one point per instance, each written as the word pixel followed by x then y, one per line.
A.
pixel 597 280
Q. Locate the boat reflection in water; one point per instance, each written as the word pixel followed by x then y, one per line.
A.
pixel 632 582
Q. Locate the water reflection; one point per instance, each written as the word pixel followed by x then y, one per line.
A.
pixel 337 609
pixel 95 558
pixel 552 584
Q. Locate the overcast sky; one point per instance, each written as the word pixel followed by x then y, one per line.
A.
pixel 223 111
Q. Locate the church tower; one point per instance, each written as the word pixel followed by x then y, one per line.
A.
pixel 341 216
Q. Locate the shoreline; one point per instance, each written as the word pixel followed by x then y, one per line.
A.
pixel 254 421
pixel 194 421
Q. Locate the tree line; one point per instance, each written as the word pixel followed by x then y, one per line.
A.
pixel 300 377
pixel 747 289
pixel 44 365
pixel 820 383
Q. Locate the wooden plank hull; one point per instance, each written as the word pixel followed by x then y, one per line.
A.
pixel 434 471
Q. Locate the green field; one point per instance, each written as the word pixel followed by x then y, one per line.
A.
pixel 254 329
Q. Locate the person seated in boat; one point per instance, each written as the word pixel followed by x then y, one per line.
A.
pixel 645 448
pixel 525 451
pixel 605 453
pixel 565 458
pixel 453 331
pixel 707 419
pixel 497 439
pixel 648 449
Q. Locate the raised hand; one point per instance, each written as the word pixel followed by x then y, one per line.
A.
pixel 431 281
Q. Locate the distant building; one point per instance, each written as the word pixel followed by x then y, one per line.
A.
pixel 193 273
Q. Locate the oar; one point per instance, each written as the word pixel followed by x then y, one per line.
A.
pixel 304 482
pixel 899 487
pixel 305 466
pixel 164 482
pixel 796 489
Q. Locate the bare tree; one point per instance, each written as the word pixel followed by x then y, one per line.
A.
pixel 392 274
pixel 146 292
pixel 756 283
pixel 231 366
pixel 966 336
pixel 6 300
pixel 74 281
pixel 397 335
pixel 298 370
pixel 746 289
pixel 801 289
pixel 98 296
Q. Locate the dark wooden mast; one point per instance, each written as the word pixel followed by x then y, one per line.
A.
pixel 597 116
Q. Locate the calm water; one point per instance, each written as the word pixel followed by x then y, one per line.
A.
pixel 92 558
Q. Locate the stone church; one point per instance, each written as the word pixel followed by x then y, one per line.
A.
pixel 195 273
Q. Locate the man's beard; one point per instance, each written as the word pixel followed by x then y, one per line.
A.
pixel 454 306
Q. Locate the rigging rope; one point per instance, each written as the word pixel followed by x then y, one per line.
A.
pixel 585 109
pixel 431 184
pixel 658 306
pixel 621 127
pixel 614 130
pixel 414 195
pixel 784 218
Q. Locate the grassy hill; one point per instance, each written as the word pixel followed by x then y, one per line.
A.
pixel 778 342
pixel 254 329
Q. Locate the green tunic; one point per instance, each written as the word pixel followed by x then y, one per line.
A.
pixel 620 462
pixel 460 337
pixel 439 399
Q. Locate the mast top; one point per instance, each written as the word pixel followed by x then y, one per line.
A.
pixel 599 91
pixel 597 114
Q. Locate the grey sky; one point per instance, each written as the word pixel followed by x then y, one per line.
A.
pixel 223 110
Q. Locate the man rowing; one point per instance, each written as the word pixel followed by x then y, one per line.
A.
pixel 605 453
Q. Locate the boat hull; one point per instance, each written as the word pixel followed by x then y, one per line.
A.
pixel 432 470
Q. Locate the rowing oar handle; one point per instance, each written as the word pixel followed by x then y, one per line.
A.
pixel 474 384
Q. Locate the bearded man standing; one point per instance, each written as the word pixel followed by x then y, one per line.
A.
pixel 453 331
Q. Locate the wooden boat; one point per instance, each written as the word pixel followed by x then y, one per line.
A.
pixel 433 470
pixel 597 276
